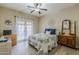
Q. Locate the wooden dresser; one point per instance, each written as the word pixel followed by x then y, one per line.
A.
pixel 69 41
pixel 66 37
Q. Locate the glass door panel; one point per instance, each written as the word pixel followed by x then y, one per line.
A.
pixel 29 28
pixel 20 31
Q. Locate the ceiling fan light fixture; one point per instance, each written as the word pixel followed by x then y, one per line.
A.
pixel 37 10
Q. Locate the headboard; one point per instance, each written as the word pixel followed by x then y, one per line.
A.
pixel 52 31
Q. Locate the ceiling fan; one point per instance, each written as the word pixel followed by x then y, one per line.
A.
pixel 36 8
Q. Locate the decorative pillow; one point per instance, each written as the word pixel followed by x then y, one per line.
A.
pixel 47 32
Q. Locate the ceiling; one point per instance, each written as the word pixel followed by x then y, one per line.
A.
pixel 52 7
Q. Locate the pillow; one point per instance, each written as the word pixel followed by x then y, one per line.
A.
pixel 47 32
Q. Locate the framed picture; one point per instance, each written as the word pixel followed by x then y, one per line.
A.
pixel 8 22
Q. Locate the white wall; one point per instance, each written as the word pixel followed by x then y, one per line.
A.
pixel 6 13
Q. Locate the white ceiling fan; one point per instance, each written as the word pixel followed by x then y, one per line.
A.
pixel 36 8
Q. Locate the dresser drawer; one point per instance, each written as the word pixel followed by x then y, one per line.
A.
pixel 71 41
pixel 67 41
pixel 63 40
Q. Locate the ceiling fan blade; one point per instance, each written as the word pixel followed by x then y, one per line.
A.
pixel 36 4
pixel 43 9
pixel 30 7
pixel 32 11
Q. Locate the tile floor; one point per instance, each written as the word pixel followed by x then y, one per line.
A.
pixel 23 48
pixel 67 51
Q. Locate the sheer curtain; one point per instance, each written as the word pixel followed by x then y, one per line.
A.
pixel 24 28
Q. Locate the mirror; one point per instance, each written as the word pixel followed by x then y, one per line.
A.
pixel 66 27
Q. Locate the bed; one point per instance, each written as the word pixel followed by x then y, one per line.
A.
pixel 44 41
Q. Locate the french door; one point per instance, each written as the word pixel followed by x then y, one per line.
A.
pixel 29 29
pixel 23 29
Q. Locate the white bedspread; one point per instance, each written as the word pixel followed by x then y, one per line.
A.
pixel 43 41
